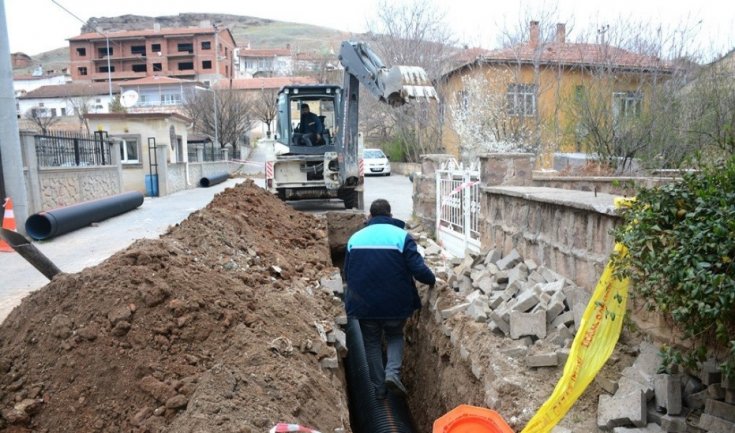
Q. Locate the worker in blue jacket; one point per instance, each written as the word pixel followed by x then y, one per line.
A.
pixel 381 263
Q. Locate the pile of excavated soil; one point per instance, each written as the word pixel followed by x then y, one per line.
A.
pixel 209 328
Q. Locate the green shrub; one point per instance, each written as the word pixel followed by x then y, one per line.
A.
pixel 681 248
pixel 394 150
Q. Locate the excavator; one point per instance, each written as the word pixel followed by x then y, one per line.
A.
pixel 327 164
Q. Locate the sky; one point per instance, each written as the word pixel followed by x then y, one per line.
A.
pixel 35 26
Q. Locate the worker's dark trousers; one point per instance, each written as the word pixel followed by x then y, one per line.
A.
pixel 372 336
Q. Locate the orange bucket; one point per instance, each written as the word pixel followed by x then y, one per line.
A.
pixel 471 419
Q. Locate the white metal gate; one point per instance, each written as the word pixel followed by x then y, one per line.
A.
pixel 458 208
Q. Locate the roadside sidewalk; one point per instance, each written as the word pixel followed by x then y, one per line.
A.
pixel 91 245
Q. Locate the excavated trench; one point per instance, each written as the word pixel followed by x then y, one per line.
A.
pixel 434 373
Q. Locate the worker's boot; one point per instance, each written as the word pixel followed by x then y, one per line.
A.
pixel 394 384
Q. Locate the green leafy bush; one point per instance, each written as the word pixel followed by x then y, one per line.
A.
pixel 681 248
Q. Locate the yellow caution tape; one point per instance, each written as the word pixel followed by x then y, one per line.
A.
pixel 596 337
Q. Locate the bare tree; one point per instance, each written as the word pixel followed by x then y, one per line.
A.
pixel 233 116
pixel 42 119
pixel 413 33
pixel 81 107
pixel 479 115
pixel 265 106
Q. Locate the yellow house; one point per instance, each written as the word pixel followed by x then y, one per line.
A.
pixel 546 93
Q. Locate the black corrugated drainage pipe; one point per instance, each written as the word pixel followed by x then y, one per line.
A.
pixel 48 224
pixel 369 414
pixel 213 180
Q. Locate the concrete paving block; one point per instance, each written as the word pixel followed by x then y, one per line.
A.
pixel 650 428
pixel 333 284
pixel 652 413
pixel 710 373
pixel 549 275
pixel 667 388
pixel 627 385
pixel 535 277
pixel 510 260
pixel 553 309
pixel 720 409
pixel 730 396
pixel 492 257
pixel 716 391
pixel 562 355
pixel 518 351
pixel 473 296
pixel 451 311
pixel 549 359
pixel 486 284
pixel 500 323
pixel 464 267
pixel 610 386
pixel 714 424
pixel 527 324
pixel 696 400
pixel 525 301
pixel 621 410
pixel 478 310
pixel 464 284
pixel 512 290
pixel 501 277
pixel 566 318
pixel 554 286
pixel 495 300
pixel 518 273
pixel 674 424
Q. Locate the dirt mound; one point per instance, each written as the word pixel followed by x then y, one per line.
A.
pixel 209 328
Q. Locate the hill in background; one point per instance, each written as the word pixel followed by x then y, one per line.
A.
pixel 256 32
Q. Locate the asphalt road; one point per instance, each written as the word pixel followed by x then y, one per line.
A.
pixel 88 246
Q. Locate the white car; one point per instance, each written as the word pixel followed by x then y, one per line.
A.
pixel 376 162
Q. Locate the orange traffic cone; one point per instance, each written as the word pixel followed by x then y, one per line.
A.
pixel 8 224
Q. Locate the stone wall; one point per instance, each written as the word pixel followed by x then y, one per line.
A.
pixel 558 227
pixel 68 186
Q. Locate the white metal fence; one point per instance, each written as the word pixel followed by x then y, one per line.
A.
pixel 458 208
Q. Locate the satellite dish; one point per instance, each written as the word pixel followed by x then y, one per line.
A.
pixel 129 98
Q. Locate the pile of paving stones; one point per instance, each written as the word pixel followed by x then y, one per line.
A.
pixel 538 307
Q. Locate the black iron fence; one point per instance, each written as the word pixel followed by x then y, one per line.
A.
pixel 212 152
pixel 64 149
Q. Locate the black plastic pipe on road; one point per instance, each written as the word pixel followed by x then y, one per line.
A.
pixel 208 181
pixel 368 413
pixel 55 222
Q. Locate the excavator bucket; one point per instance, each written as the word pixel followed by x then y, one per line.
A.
pixel 404 83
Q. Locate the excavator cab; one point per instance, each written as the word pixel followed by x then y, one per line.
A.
pixel 316 135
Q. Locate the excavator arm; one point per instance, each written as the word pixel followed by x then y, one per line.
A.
pixel 394 86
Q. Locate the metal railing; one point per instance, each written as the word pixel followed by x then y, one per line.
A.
pixel 64 149
pixel 458 207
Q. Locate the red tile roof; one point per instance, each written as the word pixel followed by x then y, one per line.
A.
pixel 263 83
pixel 580 54
pixel 71 90
pixel 264 52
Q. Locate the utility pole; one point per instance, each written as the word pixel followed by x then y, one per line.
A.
pixel 12 161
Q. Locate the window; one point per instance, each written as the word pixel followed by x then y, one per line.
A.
pixel 521 100
pixel 53 112
pixel 157 67
pixel 186 66
pixel 137 50
pixel 156 48
pixel 104 51
pixel 142 99
pixel 140 68
pixel 63 111
pixel 627 104
pixel 170 99
pixel 129 150
pixel 98 100
pixel 82 70
pixel 185 47
pixel 206 45
pixel 206 64
pixel 104 69
pixel 81 52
